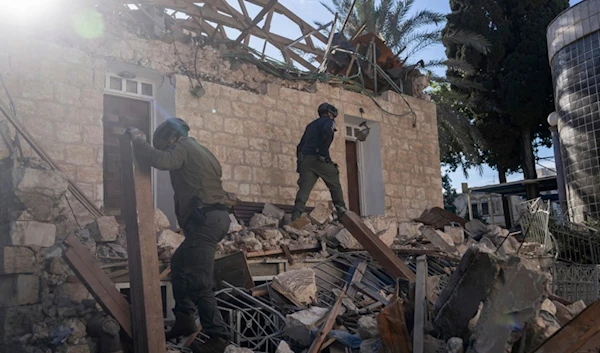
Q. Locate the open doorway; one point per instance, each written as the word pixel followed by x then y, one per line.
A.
pixel 353 169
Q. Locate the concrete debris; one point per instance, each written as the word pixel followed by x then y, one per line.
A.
pixel 251 243
pixel 234 226
pixel 298 326
pixel 576 307
pixel 456 233
pixel 300 223
pixel 367 327
pixel 384 227
pixel 233 349
pixel 273 212
pixel 168 241
pixel 284 348
pixel 455 345
pixel 563 315
pixel 347 240
pixel 476 229
pixel 438 239
pixel 260 220
pixel 409 230
pixel 320 214
pixel 161 221
pixel 104 229
pixel 297 285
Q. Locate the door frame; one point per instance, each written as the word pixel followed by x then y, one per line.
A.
pixel 152 101
pixel 351 136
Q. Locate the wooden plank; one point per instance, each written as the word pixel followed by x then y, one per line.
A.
pixel 293 249
pixel 574 335
pixel 233 269
pixel 165 273
pixel 138 210
pixel 287 253
pixel 380 252
pixel 328 325
pixel 81 261
pixel 256 19
pixel 420 305
pixel 348 291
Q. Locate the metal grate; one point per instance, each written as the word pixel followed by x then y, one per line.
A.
pixel 576 282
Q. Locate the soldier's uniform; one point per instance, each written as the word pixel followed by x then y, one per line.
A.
pixel 202 213
pixel 314 161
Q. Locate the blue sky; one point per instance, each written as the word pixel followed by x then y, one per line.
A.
pixel 312 10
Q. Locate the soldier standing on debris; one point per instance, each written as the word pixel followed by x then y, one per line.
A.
pixel 200 206
pixel 314 161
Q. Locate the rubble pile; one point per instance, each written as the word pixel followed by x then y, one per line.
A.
pixel 495 296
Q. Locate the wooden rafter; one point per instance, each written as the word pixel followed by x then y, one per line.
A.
pixel 204 12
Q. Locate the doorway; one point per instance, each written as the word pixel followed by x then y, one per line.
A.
pixel 119 114
pixel 352 172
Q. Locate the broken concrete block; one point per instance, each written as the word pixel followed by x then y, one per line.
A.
pixel 16 259
pixel 516 297
pixel 296 233
pixel 299 324
pixel 169 241
pixel 438 239
pixel 456 233
pixel 297 285
pixel 384 227
pixel 233 349
pixel 469 285
pixel 454 345
pixel 476 229
pixel 18 290
pixel 273 211
pixel 251 243
pixel 563 315
pixel 409 230
pixel 160 221
pixel 234 226
pixel 269 234
pixel 540 329
pixel 372 345
pixel 28 233
pixel 283 347
pixel 367 327
pixel 320 214
pixel 260 220
pixel 347 240
pixel 576 307
pixel 300 223
pixel 487 244
pixel 17 321
pixel 104 229
pixel 549 307
pixel 38 191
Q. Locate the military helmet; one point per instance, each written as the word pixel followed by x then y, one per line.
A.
pixel 166 130
pixel 325 108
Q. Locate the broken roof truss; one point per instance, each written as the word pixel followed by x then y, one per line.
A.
pixel 232 20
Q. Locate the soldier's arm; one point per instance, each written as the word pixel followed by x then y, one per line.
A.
pixel 164 160
pixel 326 138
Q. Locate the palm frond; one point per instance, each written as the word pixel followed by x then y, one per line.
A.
pixel 473 40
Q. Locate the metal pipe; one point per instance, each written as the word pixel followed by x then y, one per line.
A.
pixel 348 16
pixel 560 176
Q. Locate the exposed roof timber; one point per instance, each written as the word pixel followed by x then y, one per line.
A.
pixel 224 15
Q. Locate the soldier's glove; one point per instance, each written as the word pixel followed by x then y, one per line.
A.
pixel 136 134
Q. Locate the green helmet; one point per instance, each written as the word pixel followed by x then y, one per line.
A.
pixel 166 130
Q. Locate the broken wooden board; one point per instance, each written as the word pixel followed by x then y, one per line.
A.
pixel 138 211
pixel 392 326
pixel 81 261
pixel 316 246
pixel 438 218
pixel 420 306
pixel 393 265
pixel 581 332
pixel 233 269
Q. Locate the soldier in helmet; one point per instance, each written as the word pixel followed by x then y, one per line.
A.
pixel 314 161
pixel 200 206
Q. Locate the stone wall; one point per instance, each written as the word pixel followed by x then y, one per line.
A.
pixel 251 120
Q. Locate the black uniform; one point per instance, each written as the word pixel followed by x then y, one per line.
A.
pixel 314 162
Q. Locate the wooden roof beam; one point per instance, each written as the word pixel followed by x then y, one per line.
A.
pixel 256 20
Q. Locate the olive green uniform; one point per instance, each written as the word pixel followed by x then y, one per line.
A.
pixel 200 206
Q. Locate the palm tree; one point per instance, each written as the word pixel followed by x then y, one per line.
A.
pixel 407 35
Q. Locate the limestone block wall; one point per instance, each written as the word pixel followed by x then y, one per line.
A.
pixel 251 120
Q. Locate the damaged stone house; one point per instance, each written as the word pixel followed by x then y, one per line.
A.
pixel 80 76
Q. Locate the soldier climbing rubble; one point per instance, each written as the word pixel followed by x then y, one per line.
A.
pixel 314 161
pixel 202 212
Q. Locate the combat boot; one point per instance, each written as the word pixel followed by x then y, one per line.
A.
pixel 185 325
pixel 213 345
